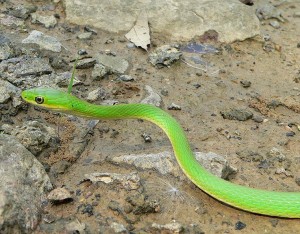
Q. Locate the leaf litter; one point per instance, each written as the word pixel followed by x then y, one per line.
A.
pixel 140 33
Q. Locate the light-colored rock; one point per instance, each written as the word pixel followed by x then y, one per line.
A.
pixel 164 56
pixel 216 164
pixel 85 63
pixel 27 72
pixel 59 194
pixel 268 11
pixel 152 97
pixel 85 36
pixel 44 41
pixel 96 94
pixel 165 163
pixel 11 21
pixel 118 227
pixel 47 21
pixel 129 181
pixel 177 19
pixel 173 227
pixel 100 71
pixel 113 64
pixel 23 185
pixel 125 78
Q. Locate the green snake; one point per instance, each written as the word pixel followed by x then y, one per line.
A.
pixel 280 204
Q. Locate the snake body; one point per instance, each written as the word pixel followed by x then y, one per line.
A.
pixel 280 204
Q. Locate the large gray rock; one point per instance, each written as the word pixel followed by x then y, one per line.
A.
pixel 22 187
pixel 177 19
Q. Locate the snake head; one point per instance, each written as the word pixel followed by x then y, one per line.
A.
pixel 48 98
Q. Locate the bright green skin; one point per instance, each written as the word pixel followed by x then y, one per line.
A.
pixel 281 204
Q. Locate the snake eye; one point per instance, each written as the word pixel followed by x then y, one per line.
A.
pixel 39 100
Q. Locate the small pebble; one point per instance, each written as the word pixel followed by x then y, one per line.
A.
pixel 88 209
pixel 130 45
pixel 245 83
pixel 114 133
pixel 82 52
pixel 240 225
pixel 275 24
pixel 59 195
pixel 97 196
pixel 174 106
pixel 109 41
pixel 290 134
pixel 264 164
pixel 197 86
pixel 257 119
pixel 90 30
pixel 147 137
pixel 94 203
pixel 125 78
pixel 48 218
pixel 78 192
pixel 85 36
pixel 266 37
pixel 164 92
pixel 274 222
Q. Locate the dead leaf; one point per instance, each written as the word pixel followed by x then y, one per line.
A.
pixel 140 33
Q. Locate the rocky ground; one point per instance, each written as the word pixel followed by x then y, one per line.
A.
pixel 238 103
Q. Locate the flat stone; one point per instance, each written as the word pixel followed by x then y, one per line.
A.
pixel 165 163
pixel 44 41
pixel 275 24
pixel 125 78
pixel 11 21
pixel 128 181
pixel 85 63
pixel 114 64
pixel 28 73
pixel 85 35
pixel 237 114
pixel 268 11
pixel 32 66
pixel 164 56
pixel 176 20
pixel 173 227
pixel 49 21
